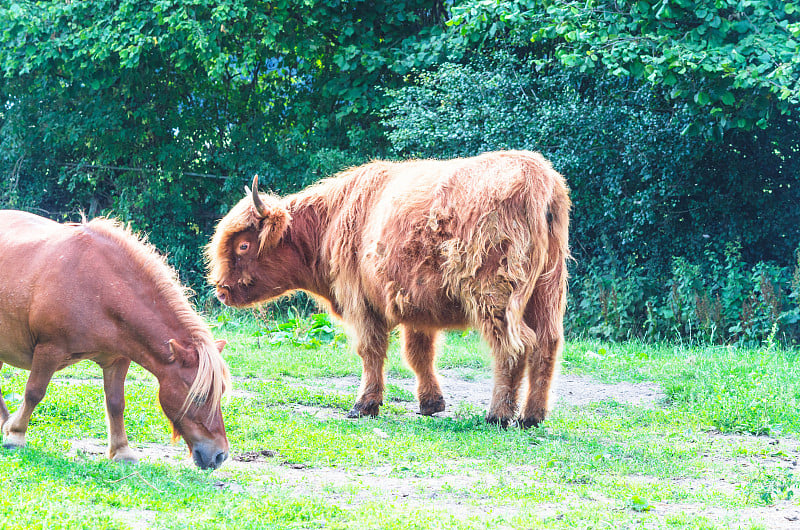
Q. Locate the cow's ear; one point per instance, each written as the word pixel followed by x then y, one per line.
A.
pixel 273 225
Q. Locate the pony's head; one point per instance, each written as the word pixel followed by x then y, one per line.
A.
pixel 190 393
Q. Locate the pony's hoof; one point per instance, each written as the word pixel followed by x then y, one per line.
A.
pixel 125 455
pixel 13 440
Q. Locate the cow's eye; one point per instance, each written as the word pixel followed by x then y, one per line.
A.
pixel 244 246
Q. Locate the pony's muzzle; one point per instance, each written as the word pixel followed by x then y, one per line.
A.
pixel 208 457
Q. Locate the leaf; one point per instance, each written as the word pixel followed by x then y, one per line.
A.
pixel 701 98
pixel 639 504
pixel 728 98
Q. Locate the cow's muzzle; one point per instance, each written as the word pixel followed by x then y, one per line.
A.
pixel 223 295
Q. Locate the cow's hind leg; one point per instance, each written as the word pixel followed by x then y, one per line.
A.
pixel 3 408
pixel 42 371
pixel 541 367
pixel 544 314
pixel 114 386
pixel 372 343
pixel 508 371
pixel 419 350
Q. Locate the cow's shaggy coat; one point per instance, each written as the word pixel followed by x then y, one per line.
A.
pixel 427 245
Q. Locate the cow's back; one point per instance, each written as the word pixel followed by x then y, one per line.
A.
pixel 404 234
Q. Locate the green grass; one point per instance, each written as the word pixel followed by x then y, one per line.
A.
pixel 732 389
pixel 692 461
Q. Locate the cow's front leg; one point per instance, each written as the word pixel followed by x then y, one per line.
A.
pixel 114 387
pixel 419 350
pixel 42 370
pixel 371 345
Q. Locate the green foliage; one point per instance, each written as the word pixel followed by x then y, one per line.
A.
pixel 309 333
pixel 159 111
pixel 734 63
pixel 714 300
pixel 772 486
pixel 639 504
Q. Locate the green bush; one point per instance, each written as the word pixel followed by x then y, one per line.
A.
pixel 716 299
pixel 672 234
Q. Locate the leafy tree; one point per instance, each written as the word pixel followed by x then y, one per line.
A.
pixel 734 63
pixel 159 110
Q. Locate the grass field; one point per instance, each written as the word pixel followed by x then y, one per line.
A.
pixel 641 436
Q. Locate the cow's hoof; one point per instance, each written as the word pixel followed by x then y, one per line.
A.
pixel 496 420
pixel 369 409
pixel 527 423
pixel 532 417
pixel 429 407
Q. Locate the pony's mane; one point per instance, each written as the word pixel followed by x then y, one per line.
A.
pixel 213 377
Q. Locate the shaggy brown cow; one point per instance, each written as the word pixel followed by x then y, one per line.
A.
pixel 95 291
pixel 427 245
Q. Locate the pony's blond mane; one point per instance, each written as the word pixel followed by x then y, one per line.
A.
pixel 213 376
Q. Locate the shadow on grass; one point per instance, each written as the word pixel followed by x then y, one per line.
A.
pixel 32 468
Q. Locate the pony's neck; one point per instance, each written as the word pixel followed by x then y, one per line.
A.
pixel 151 329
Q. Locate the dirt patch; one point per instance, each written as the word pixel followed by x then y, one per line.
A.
pixel 465 395
pixel 577 391
pixel 96 448
pixel 254 456
pixel 135 519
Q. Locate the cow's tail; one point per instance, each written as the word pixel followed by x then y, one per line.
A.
pixel 535 309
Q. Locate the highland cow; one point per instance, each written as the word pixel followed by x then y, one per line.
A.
pixel 427 245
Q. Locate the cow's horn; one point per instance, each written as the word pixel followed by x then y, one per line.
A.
pixel 261 208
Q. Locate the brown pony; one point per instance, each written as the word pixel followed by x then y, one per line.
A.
pixel 93 290
pixel 424 244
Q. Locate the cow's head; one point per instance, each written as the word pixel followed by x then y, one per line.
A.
pixel 248 259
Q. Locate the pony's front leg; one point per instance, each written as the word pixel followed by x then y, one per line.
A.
pixel 3 408
pixel 114 387
pixel 42 370
pixel 373 341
